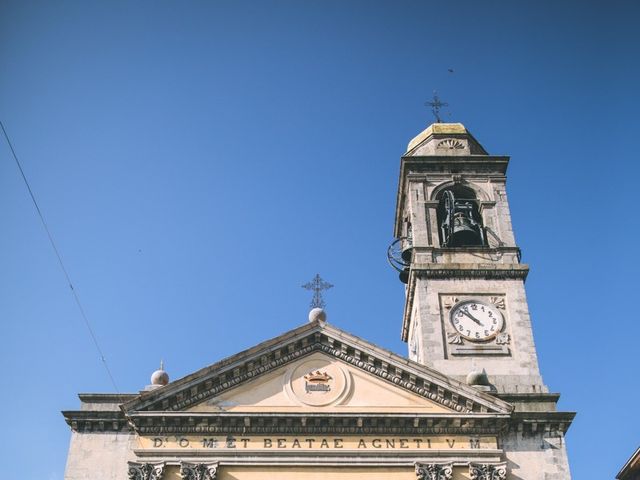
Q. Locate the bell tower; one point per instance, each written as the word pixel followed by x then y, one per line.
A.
pixel 466 309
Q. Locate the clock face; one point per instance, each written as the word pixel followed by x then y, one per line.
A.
pixel 476 321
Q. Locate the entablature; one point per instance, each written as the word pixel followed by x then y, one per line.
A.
pixel 179 423
pixel 152 423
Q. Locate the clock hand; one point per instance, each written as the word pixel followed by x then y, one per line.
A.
pixel 466 312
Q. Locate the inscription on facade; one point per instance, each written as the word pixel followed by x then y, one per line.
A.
pixel 320 443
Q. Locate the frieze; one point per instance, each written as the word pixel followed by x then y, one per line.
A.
pixel 146 471
pixel 324 443
pixel 434 471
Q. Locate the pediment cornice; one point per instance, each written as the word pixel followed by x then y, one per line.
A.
pixel 301 342
pixel 183 423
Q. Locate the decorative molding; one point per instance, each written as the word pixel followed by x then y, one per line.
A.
pixel 449 301
pixel 96 421
pixel 477 423
pixel 503 339
pixel 498 302
pixel 454 338
pixel 434 471
pixel 479 349
pixel 389 424
pixel 515 271
pixel 146 471
pixel 488 471
pixel 198 471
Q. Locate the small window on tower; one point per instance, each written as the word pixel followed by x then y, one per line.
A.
pixel 459 218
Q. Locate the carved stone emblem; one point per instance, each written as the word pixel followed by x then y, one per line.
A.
pixel 145 471
pixel 198 471
pixel 450 144
pixel 503 339
pixel 434 471
pixel 488 471
pixel 317 382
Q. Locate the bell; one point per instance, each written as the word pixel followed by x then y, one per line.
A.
pixel 406 254
pixel 404 275
pixel 464 232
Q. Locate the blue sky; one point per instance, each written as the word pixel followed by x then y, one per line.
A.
pixel 198 161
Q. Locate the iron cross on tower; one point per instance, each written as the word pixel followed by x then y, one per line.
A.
pixel 317 285
pixel 435 105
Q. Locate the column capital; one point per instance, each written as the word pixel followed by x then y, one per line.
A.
pixel 434 471
pixel 146 471
pixel 488 471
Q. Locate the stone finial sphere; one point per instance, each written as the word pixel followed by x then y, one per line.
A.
pixel 317 314
pixel 159 377
pixel 478 377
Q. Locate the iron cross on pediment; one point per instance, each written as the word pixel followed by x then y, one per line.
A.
pixel 436 104
pixel 317 285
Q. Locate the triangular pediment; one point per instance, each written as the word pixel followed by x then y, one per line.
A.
pixel 318 383
pixel 343 374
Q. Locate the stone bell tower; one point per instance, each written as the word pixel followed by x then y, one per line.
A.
pixel 466 308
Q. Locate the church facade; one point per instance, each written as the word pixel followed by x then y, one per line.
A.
pixel 319 403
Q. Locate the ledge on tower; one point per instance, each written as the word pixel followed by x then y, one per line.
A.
pixel 444 139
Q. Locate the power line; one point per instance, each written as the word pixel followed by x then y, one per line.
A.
pixel 61 263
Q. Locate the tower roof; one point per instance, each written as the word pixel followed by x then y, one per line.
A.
pixel 444 139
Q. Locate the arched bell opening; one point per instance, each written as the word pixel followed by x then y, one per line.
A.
pixel 459 220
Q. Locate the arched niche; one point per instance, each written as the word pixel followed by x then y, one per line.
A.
pixel 460 223
pixel 478 193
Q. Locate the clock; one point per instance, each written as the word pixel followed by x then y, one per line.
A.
pixel 476 321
